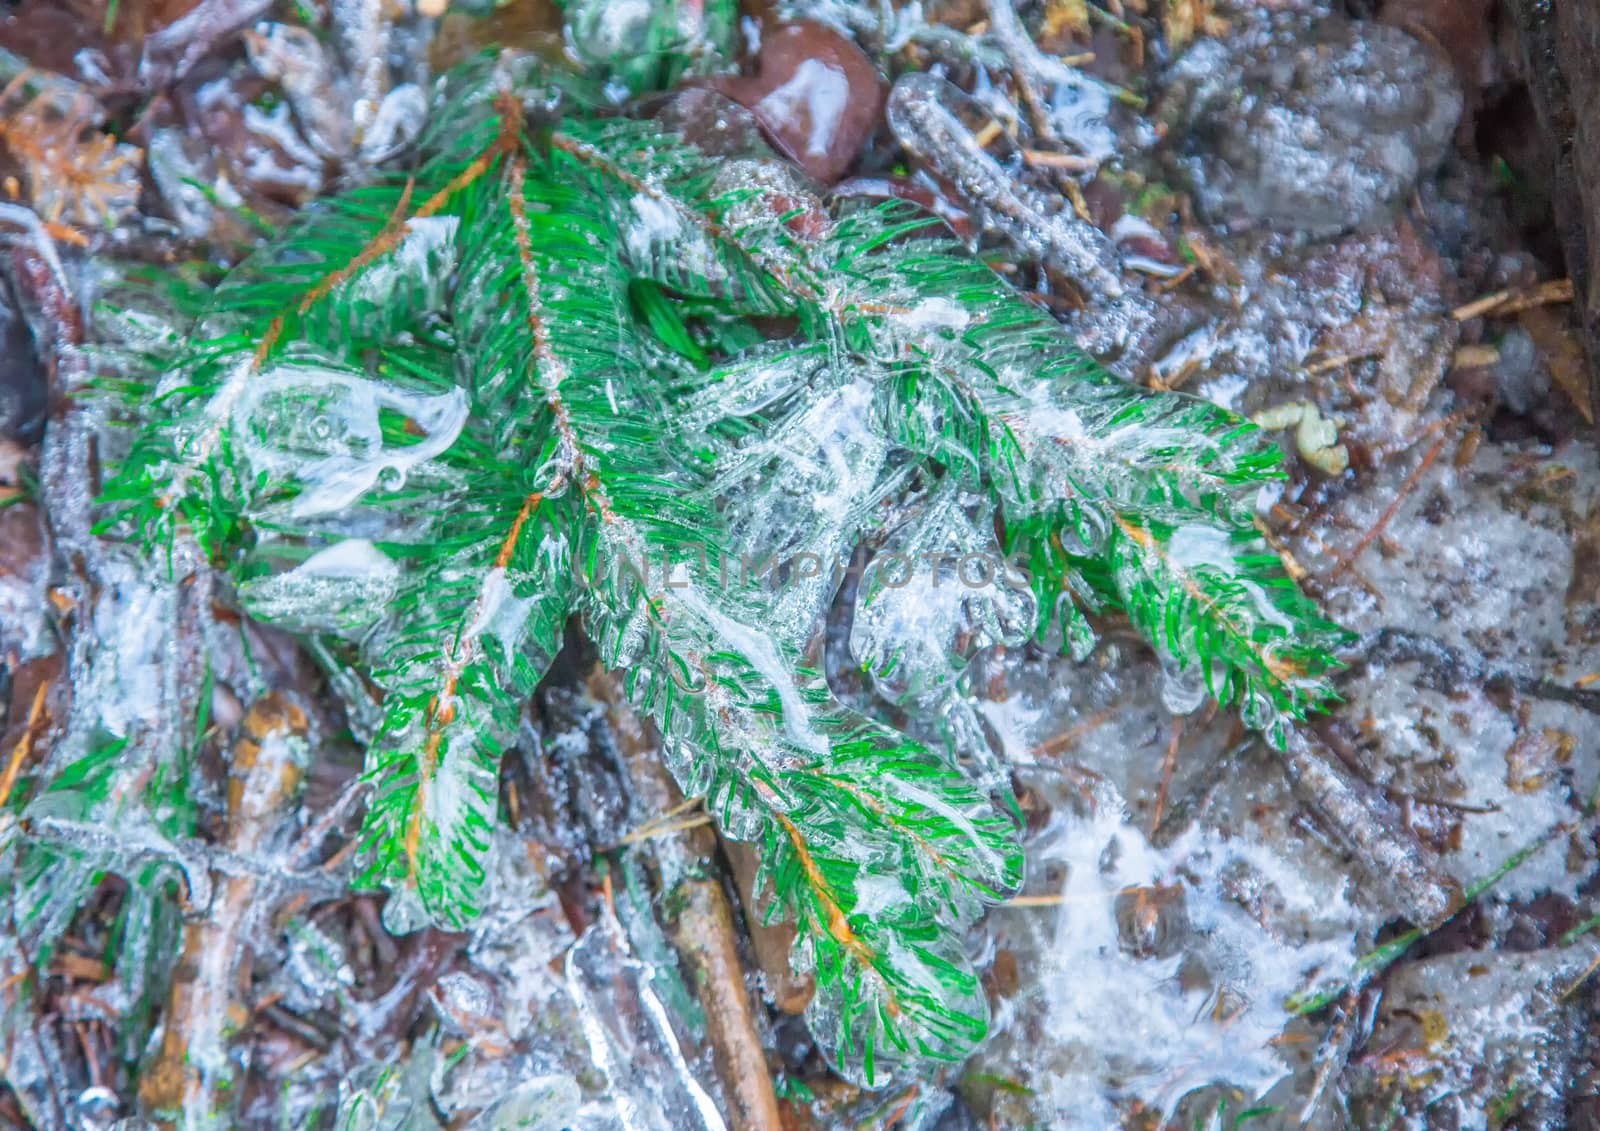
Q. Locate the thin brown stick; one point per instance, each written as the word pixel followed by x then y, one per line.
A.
pixel 24 746
pixel 1339 361
pixel 1168 765
pixel 702 925
pixel 989 133
pixel 1581 979
pixel 1391 510
pixel 654 830
pixel 1512 301
pixel 1473 357
pixel 1068 738
pixel 1067 162
pixel 704 935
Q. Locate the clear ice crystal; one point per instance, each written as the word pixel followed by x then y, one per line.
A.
pixel 344 588
pixel 320 428
pixel 544 1103
pixel 939 589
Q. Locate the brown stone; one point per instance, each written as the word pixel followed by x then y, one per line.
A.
pixel 818 98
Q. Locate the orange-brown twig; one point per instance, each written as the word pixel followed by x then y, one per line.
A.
pixel 1391 510
pixel 24 746
pixel 1168 765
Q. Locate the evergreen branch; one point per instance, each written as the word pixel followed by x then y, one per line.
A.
pixel 736 713
pixel 246 323
pixel 748 727
pixel 465 404
pixel 1053 434
pixel 444 847
pixel 443 825
pixel 672 236
pixel 899 990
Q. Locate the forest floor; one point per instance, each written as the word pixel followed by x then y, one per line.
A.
pixel 1333 218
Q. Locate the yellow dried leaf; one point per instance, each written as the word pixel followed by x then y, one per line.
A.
pixel 1064 19
pixel 1183 20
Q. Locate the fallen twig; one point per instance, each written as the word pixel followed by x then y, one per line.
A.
pixel 193 1072
pixel 1474 357
pixel 704 935
pixel 1580 980
pixel 24 746
pixel 1067 162
pixel 1373 830
pixel 703 927
pixel 1068 738
pixel 1168 765
pixel 1505 302
pixel 1340 360
pixel 1376 961
pixel 1393 508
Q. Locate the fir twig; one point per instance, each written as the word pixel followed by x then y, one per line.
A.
pixel 440 429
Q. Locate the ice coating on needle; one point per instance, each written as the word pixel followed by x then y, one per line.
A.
pixel 794 500
pixel 939 589
pixel 341 588
pixel 321 428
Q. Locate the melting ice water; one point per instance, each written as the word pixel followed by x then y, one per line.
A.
pixel 1161 979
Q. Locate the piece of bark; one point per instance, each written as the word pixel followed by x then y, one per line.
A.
pixel 1561 61
pixel 190 1073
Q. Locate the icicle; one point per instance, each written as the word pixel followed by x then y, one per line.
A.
pixel 1183 689
pixel 921 115
pixel 937 591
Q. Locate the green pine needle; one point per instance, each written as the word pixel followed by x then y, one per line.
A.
pixel 441 414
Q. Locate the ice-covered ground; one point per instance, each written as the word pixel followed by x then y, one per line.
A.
pixel 1187 886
